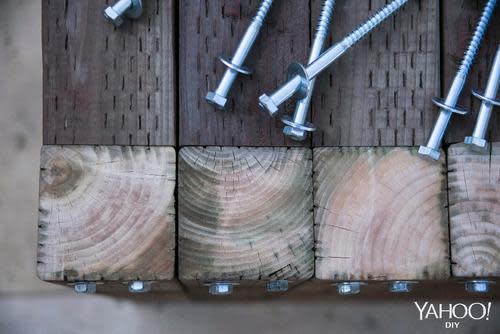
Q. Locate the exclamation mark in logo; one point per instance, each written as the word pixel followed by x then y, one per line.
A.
pixel 488 314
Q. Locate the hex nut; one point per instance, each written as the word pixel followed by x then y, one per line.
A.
pixel 113 16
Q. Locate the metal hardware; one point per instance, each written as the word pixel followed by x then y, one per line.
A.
pixel 297 126
pixel 218 98
pixel 299 77
pixel 85 287
pixel 220 288
pixel 400 286
pixel 349 288
pixel 129 8
pixel 449 105
pixel 139 286
pixel 478 138
pixel 277 286
pixel 478 286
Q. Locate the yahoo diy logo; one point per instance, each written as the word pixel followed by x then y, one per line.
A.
pixel 453 312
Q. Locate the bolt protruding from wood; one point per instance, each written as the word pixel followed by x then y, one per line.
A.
pixel 400 286
pixel 449 106
pixel 297 127
pixel 220 288
pixel 478 286
pixel 129 8
pixel 489 100
pixel 277 286
pixel 349 288
pixel 299 77
pixel 139 286
pixel 218 98
pixel 82 287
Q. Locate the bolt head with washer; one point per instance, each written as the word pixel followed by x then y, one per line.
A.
pixel 133 12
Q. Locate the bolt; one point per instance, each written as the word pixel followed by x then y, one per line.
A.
pixel 488 102
pixel 299 77
pixel 277 286
pixel 400 286
pixel 130 8
pixel 349 288
pixel 218 98
pixel 139 286
pixel 478 286
pixel 85 287
pixel 449 105
pixel 297 126
pixel 220 288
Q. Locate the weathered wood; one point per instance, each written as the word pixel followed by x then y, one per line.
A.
pixel 379 93
pixel 245 214
pixel 459 24
pixel 474 195
pixel 106 85
pixel 209 29
pixel 379 215
pixel 106 213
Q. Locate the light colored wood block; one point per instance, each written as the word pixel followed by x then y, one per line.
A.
pixel 245 214
pixel 474 195
pixel 379 215
pixel 106 213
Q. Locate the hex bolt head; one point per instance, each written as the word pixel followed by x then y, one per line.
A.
pixel 277 286
pixel 130 8
pixel 220 288
pixel 478 143
pixel 85 287
pixel 429 152
pixel 138 286
pixel 349 288
pixel 216 100
pixel 478 286
pixel 400 286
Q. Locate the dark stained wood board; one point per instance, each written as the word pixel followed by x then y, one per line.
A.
pixel 459 24
pixel 104 85
pixel 379 93
pixel 209 29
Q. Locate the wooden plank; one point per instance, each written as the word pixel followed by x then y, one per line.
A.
pixel 209 29
pixel 104 85
pixel 106 213
pixel 245 214
pixel 459 24
pixel 379 93
pixel 474 194
pixel 379 215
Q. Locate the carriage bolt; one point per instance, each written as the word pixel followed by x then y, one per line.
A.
pixel 488 102
pixel 400 286
pixel 349 288
pixel 130 8
pixel 297 126
pixel 218 98
pixel 85 287
pixel 449 106
pixel 299 77
pixel 220 288
pixel 478 286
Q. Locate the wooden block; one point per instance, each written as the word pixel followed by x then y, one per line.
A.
pixel 106 85
pixel 459 24
pixel 106 213
pixel 209 29
pixel 474 195
pixel 379 93
pixel 245 214
pixel 379 215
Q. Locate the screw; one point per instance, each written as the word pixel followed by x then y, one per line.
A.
pixel 218 98
pixel 478 286
pixel 299 77
pixel 85 287
pixel 400 286
pixel 277 286
pixel 297 126
pixel 138 286
pixel 130 8
pixel 220 288
pixel 449 105
pixel 488 102
pixel 349 288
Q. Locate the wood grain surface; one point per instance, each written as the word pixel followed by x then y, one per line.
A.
pixel 106 213
pixel 245 214
pixel 474 192
pixel 379 215
pixel 106 85
pixel 209 29
pixel 379 93
pixel 459 25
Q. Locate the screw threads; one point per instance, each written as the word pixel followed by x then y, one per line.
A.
pixel 478 36
pixel 325 18
pixel 374 21
pixel 263 9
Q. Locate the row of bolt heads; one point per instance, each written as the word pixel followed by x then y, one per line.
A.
pixel 226 288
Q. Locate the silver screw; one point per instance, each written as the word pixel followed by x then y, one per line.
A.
pixel 130 8
pixel 220 288
pixel 488 102
pixel 139 286
pixel 400 286
pixel 478 286
pixel 85 287
pixel 349 288
pixel 299 77
pixel 449 105
pixel 297 126
pixel 218 98
pixel 277 286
